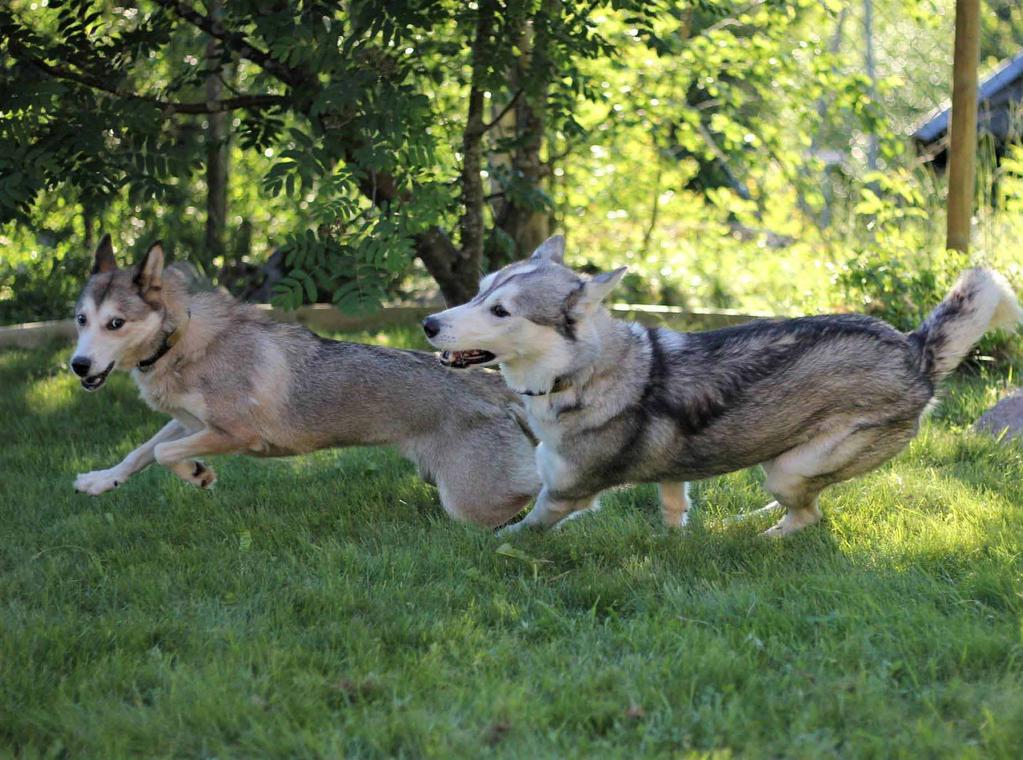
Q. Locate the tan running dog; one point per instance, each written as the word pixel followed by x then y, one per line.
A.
pixel 237 382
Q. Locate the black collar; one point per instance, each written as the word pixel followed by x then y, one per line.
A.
pixel 169 341
pixel 147 364
pixel 560 384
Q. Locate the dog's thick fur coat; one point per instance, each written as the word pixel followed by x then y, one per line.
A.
pixel 815 400
pixel 236 381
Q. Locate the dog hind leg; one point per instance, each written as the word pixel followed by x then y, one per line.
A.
pixel 548 512
pixel 674 503
pixel 797 477
pixel 490 508
pixel 794 491
pixel 801 511
pixel 484 475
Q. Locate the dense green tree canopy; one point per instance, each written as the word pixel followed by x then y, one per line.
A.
pixel 367 107
pixel 399 129
pixel 367 138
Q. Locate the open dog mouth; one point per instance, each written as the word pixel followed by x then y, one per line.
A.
pixel 92 382
pixel 463 359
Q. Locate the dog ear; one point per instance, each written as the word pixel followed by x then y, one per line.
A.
pixel 599 287
pixel 150 269
pixel 551 250
pixel 103 260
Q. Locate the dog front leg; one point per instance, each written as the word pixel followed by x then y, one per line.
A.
pixel 548 512
pixel 178 456
pixel 99 481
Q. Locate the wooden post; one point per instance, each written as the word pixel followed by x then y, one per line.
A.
pixel 963 129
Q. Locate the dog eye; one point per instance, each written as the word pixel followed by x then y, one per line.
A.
pixel 81 319
pixel 499 311
pixel 115 324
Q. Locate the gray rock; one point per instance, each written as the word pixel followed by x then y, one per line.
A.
pixel 1006 415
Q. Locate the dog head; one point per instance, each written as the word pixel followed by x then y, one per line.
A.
pixel 535 318
pixel 120 315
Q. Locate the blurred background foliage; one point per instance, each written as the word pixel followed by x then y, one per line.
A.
pixel 749 155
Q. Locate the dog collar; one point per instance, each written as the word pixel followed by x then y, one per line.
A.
pixel 560 384
pixel 169 341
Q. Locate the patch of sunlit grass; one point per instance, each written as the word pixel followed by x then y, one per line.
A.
pixel 51 394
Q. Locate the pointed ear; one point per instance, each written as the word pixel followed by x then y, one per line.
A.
pixel 599 287
pixel 150 269
pixel 103 260
pixel 551 250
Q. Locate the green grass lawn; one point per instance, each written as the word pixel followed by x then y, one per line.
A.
pixel 325 606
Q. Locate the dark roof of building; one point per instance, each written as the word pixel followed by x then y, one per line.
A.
pixel 993 95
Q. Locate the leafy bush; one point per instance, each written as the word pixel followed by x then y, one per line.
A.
pixel 902 289
pixel 41 289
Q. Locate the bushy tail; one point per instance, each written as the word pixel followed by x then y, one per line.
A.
pixel 981 300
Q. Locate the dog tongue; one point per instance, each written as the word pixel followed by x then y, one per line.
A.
pixel 462 359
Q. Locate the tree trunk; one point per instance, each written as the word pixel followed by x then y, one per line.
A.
pixel 655 208
pixel 217 152
pixel 868 64
pixel 458 280
pixel 88 226
pixel 521 226
pixel 471 223
pixel 963 130
pixel 455 270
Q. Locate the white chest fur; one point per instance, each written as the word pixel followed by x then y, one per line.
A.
pixel 543 418
pixel 163 392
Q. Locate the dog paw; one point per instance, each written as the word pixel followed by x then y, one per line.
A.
pixel 201 475
pixel 98 481
pixel 783 529
pixel 677 522
pixel 510 530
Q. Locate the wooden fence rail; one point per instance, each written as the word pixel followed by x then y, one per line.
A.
pixel 326 319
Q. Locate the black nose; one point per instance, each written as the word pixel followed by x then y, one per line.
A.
pixel 81 366
pixel 431 326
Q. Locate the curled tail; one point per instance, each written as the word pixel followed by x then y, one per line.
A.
pixel 981 300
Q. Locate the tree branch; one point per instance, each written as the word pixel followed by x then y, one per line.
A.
pixel 732 20
pixel 719 155
pixel 167 106
pixel 236 42
pixel 226 104
pixel 441 258
pixel 504 112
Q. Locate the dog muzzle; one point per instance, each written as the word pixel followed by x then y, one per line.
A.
pixel 93 382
